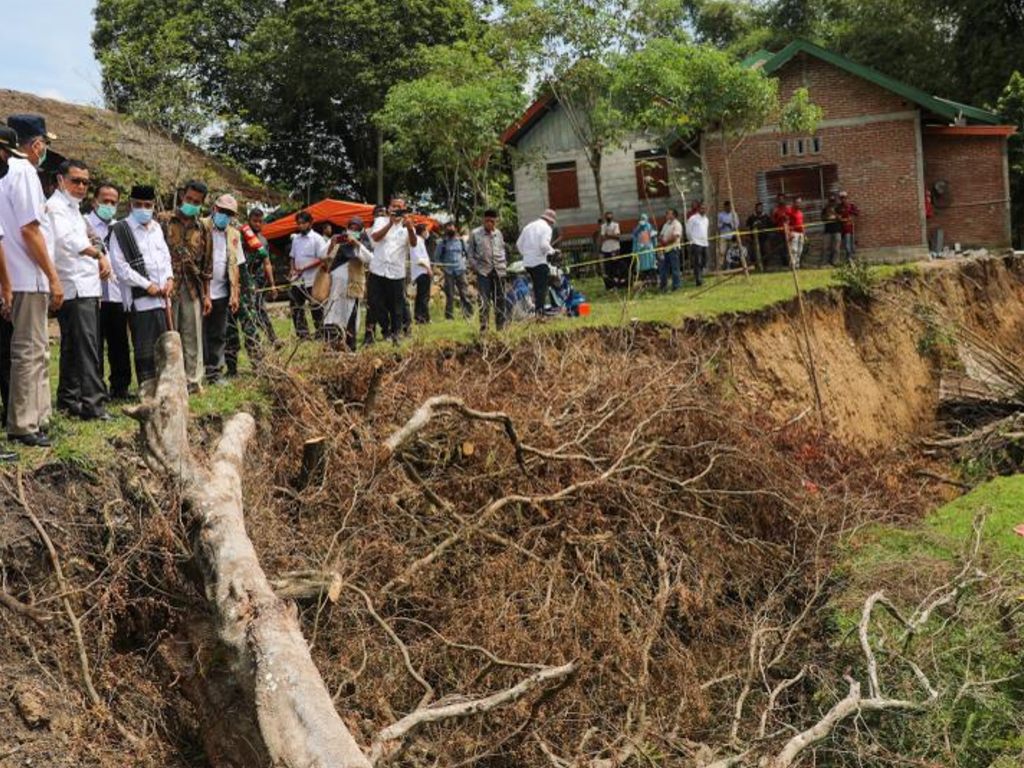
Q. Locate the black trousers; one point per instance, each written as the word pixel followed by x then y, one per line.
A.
pixel 387 297
pixel 80 389
pixel 215 328
pixel 491 289
pixel 6 331
pixel 147 326
pixel 114 339
pixel 299 297
pixel 422 312
pixel 699 259
pixel 539 276
pixel 244 325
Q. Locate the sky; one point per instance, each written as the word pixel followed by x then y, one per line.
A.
pixel 47 51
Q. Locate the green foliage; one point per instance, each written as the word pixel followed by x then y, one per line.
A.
pixel 937 340
pixel 450 119
pixel 1011 107
pixel 800 114
pixel 858 280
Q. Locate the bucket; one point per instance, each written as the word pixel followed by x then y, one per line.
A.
pixel 583 309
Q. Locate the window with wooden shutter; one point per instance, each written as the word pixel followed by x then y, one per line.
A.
pixel 651 174
pixel 563 187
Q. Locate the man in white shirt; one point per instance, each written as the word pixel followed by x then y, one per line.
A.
pixel 534 245
pixel 615 276
pixel 8 150
pixel 36 287
pixel 82 268
pixel 113 316
pixel 393 237
pixel 307 254
pixel 422 277
pixel 670 240
pixel 697 234
pixel 225 245
pixel 142 262
pixel 728 222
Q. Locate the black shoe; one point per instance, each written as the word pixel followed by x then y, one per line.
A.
pixel 37 440
pixel 8 457
pixel 100 416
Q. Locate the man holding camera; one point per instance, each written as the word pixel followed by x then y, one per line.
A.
pixel 393 237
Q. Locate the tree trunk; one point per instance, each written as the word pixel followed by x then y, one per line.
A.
pixel 732 200
pixel 380 166
pixel 256 633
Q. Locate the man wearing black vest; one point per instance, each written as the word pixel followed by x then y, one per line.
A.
pixel 142 263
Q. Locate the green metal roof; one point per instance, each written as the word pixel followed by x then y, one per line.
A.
pixel 756 58
pixel 942 107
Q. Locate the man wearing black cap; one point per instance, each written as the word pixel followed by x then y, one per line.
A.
pixel 142 262
pixel 34 281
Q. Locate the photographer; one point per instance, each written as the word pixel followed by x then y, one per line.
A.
pixel 393 238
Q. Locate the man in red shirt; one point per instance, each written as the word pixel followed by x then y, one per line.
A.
pixel 847 213
pixel 796 231
pixel 780 220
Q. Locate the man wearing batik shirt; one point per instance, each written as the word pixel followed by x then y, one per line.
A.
pixel 187 239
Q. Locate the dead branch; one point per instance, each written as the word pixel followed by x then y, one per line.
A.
pixel 76 625
pixel 18 607
pixel 435 405
pixel 389 743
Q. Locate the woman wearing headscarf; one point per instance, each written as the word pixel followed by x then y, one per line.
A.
pixel 347 260
pixel 643 248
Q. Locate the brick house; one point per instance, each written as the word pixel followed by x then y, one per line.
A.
pixel 888 145
pixel 551 171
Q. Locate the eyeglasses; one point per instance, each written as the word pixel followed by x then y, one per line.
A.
pixel 78 182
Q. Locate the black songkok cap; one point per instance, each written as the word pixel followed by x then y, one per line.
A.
pixel 143 192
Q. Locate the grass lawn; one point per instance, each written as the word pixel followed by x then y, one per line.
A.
pixel 89 443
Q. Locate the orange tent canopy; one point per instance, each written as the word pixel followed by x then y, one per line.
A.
pixel 338 212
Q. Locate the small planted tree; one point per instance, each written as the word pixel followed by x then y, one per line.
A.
pixel 450 119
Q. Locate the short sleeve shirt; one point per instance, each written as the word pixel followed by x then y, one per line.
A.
pixel 21 203
pixel 392 252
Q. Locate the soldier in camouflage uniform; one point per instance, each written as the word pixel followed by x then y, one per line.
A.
pixel 261 272
pixel 245 322
pixel 188 241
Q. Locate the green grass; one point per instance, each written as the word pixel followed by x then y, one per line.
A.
pixel 718 296
pixel 1001 500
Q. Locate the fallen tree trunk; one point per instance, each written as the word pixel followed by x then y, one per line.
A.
pixel 271 663
pixel 272 689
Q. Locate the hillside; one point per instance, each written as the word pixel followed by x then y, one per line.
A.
pixel 122 151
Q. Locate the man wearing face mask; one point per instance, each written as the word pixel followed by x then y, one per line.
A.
pixel 8 149
pixel 113 317
pixel 28 247
pixel 350 253
pixel 187 239
pixel 142 263
pixel 225 244
pixel 450 254
pixel 82 268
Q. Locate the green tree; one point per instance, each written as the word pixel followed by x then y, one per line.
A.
pixel 1011 107
pixel 450 120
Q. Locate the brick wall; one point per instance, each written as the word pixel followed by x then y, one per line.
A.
pixel 877 166
pixel 840 94
pixel 977 214
pixel 876 157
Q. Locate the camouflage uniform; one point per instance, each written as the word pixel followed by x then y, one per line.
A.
pixel 188 241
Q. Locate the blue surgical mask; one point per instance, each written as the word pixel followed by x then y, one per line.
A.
pixel 142 215
pixel 106 211
pixel 221 220
pixel 189 209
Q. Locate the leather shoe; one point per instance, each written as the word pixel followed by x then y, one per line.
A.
pixel 37 440
pixel 101 416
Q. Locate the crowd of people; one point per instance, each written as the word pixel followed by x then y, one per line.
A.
pixel 779 238
pixel 116 285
